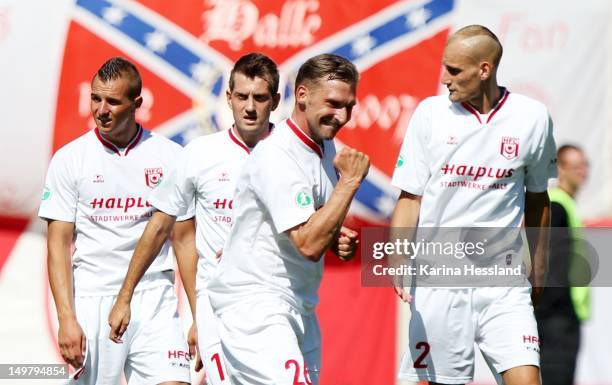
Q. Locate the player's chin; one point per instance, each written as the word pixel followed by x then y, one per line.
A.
pixel 104 127
pixel 328 132
pixel 249 124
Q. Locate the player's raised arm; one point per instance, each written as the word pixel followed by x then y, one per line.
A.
pixel 71 338
pixel 314 237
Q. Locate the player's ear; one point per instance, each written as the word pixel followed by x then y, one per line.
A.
pixel 301 94
pixel 275 101
pixel 228 96
pixel 486 70
pixel 137 102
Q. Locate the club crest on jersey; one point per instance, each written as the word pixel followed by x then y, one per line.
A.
pixel 153 176
pixel 509 147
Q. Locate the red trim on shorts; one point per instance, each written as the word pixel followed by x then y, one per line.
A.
pixel 305 138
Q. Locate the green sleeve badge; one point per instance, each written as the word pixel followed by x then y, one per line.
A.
pixel 46 193
pixel 400 161
pixel 303 200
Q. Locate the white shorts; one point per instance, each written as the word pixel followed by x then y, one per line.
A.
pixel 268 343
pixel 446 323
pixel 209 342
pixel 154 349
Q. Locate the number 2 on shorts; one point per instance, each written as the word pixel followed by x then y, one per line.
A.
pixel 418 363
pixel 296 373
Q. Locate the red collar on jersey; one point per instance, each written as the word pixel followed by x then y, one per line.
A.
pixel 116 149
pixel 305 138
pixel 240 143
pixel 499 105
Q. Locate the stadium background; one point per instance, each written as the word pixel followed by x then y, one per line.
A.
pixel 555 51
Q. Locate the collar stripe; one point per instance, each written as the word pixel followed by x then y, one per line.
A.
pixel 106 143
pixel 236 140
pixel 240 143
pixel 305 138
pixel 499 105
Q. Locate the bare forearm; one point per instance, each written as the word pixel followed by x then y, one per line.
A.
pixel 403 222
pixel 59 265
pixel 155 234
pixel 537 220
pixel 317 235
pixel 183 243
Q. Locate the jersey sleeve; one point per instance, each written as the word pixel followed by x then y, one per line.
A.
pixel 283 187
pixel 175 194
pixel 543 162
pixel 411 169
pixel 60 196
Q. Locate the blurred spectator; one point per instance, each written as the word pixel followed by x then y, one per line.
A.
pixel 563 307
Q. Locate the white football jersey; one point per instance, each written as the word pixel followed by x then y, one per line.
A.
pixel 472 170
pixel 286 178
pixel 206 176
pixel 103 190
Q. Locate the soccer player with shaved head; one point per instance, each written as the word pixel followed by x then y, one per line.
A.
pixel 480 157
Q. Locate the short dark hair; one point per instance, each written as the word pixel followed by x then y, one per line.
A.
pixel 329 67
pixel 117 67
pixel 565 148
pixel 256 65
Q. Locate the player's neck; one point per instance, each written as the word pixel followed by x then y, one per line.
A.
pixel 488 99
pixel 122 138
pixel 251 138
pixel 300 119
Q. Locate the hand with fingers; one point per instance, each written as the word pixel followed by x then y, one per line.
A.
pixel 194 348
pixel 72 342
pixel 352 165
pixel 346 245
pixel 119 319
pixel 401 289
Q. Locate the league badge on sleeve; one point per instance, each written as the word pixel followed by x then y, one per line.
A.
pixel 509 147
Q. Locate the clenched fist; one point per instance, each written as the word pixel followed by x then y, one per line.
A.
pixel 352 165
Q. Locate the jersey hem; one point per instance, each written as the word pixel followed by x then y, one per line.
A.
pixel 155 280
pixel 516 364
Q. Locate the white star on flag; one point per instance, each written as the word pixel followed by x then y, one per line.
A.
pixel 157 41
pixel 385 204
pixel 417 17
pixel 201 72
pixel 113 15
pixel 363 45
